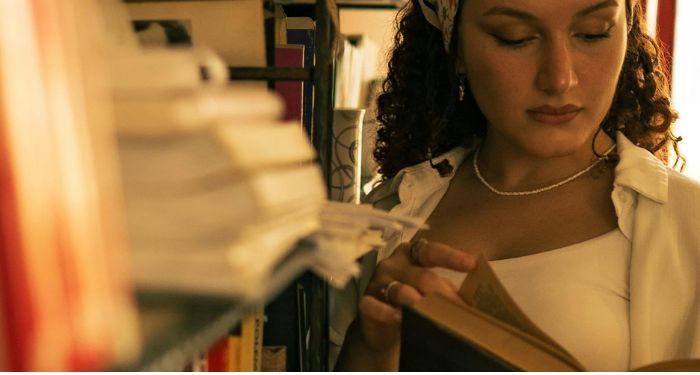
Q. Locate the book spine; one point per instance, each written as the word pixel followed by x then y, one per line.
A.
pixel 234 352
pixel 218 356
pixel 290 56
pixel 251 341
pixel 305 37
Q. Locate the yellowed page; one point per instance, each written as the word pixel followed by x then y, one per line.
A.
pixel 482 289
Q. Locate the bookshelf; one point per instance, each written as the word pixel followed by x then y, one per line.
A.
pixel 176 328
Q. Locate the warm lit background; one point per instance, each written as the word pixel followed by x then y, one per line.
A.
pixel 674 28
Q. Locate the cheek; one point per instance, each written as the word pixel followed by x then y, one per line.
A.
pixel 497 82
pixel 600 74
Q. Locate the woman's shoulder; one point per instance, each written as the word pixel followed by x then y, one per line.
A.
pixel 420 176
pixel 684 187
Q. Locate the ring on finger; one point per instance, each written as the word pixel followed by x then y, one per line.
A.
pixel 414 251
pixel 386 290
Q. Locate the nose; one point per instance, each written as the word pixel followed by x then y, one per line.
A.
pixel 556 73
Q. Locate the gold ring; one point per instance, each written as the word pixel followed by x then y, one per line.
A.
pixel 387 289
pixel 414 249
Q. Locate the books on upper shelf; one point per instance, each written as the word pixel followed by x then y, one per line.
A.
pixel 302 31
pixel 65 295
pixel 292 92
pixel 486 331
pixel 355 69
pixel 294 48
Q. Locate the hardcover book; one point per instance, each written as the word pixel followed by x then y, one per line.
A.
pixel 487 331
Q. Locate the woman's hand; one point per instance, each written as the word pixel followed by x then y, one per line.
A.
pixel 372 341
pixel 402 279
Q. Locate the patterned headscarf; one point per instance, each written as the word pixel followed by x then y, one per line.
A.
pixel 441 14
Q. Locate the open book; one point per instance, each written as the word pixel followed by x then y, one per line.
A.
pixel 486 331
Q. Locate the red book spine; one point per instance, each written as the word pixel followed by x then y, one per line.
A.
pixel 292 92
pixel 218 356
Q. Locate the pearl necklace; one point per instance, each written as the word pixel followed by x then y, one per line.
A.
pixel 530 192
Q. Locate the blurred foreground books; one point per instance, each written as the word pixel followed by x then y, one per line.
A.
pixel 65 297
pixel 217 189
pixel 220 194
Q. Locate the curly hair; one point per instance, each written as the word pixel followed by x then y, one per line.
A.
pixel 419 113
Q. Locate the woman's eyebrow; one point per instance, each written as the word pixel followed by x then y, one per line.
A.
pixel 513 12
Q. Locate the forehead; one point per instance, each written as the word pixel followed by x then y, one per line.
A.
pixel 554 8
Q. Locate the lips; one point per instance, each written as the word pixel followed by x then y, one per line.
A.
pixel 554 115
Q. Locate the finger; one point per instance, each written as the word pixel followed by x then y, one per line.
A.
pixel 404 295
pixel 436 254
pixel 426 282
pixel 450 284
pixel 378 312
pixel 379 323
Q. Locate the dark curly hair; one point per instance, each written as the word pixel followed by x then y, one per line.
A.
pixel 419 113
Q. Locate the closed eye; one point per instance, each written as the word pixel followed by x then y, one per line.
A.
pixel 513 42
pixel 592 38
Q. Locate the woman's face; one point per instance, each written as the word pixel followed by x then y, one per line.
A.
pixel 543 72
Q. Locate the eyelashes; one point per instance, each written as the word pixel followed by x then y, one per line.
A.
pixel 512 42
pixel 521 42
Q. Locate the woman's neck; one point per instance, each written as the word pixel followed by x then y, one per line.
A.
pixel 508 166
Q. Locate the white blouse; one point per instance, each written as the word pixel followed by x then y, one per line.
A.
pixel 658 211
pixel 578 295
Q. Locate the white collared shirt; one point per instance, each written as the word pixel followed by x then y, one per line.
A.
pixel 658 211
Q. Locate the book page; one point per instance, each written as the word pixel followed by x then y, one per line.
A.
pixel 482 289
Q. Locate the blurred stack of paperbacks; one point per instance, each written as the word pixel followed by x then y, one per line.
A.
pixel 65 296
pixel 219 191
pixel 217 188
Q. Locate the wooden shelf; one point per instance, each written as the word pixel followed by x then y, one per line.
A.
pixel 270 74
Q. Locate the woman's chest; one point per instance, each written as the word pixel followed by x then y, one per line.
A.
pixel 512 229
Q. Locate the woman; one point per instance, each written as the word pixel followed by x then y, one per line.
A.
pixel 552 123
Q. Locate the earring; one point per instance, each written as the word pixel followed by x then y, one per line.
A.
pixel 462 89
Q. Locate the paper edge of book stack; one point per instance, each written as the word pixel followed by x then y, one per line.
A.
pixel 229 259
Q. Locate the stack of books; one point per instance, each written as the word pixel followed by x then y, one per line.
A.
pixel 218 189
pixel 348 232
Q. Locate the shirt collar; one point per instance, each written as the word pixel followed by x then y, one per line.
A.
pixel 641 171
pixel 418 180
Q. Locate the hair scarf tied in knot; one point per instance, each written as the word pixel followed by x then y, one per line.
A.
pixel 441 14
